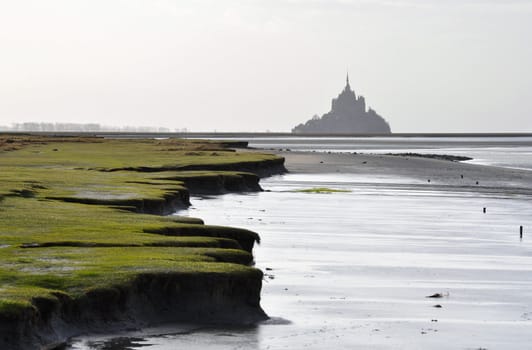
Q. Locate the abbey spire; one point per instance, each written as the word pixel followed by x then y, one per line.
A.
pixel 347 88
pixel 347 80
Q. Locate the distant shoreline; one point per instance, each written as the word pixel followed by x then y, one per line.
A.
pixel 258 134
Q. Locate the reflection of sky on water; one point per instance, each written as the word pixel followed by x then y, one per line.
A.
pixel 352 270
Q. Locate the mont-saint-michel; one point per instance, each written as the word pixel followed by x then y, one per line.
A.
pixel 348 115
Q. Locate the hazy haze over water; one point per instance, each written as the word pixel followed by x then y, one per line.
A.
pixel 425 66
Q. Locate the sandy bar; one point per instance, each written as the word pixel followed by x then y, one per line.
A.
pixel 443 174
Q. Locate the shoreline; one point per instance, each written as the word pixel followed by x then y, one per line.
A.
pixel 200 273
pixel 149 300
pixel 353 269
pixel 380 166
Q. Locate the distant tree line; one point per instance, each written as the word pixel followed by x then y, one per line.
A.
pixel 91 127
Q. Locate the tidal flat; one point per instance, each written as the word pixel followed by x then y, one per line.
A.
pixel 85 248
pixel 355 269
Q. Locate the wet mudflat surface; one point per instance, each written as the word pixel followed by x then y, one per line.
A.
pixel 510 152
pixel 354 269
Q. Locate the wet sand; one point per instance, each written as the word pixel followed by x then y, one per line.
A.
pixel 442 174
pixel 354 269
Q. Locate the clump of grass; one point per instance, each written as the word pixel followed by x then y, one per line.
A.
pixel 321 190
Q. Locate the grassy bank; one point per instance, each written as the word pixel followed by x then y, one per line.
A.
pixel 75 218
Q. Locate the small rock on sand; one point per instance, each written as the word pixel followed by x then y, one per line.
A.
pixel 435 295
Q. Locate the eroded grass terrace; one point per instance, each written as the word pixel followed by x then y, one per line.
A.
pixel 73 214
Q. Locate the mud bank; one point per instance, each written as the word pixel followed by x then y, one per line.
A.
pixel 151 298
pixel 262 168
pixel 208 183
pixel 213 183
pixel 165 205
pixel 245 238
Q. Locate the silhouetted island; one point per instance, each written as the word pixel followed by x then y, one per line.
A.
pixel 348 115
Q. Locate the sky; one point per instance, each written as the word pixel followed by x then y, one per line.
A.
pixel 250 65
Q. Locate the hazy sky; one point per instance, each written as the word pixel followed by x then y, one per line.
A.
pixel 245 65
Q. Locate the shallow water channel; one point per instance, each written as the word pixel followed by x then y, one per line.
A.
pixel 354 269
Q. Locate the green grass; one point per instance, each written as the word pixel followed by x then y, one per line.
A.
pixel 320 190
pixel 120 154
pixel 52 241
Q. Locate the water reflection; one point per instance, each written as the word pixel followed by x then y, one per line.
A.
pixel 120 343
pixel 166 338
